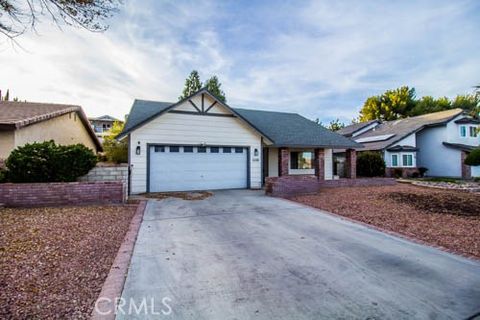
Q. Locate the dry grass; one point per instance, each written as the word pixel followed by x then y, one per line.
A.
pixel 53 261
pixel 450 219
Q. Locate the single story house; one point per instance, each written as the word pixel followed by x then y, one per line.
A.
pixel 201 143
pixel 28 122
pixel 438 141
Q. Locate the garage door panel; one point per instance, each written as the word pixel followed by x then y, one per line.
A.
pixel 182 171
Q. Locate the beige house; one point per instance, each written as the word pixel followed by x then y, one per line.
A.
pixel 27 122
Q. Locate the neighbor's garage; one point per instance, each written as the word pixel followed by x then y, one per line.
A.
pixel 184 168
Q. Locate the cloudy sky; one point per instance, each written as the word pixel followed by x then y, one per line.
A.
pixel 321 59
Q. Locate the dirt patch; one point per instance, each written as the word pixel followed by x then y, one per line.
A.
pixel 200 195
pixel 53 261
pixel 441 203
pixel 450 219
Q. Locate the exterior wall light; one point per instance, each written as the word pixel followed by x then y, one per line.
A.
pixel 255 152
pixel 137 151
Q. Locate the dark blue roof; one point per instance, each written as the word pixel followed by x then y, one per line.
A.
pixel 291 129
pixel 284 129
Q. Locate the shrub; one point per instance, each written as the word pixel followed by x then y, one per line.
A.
pixel 48 162
pixel 473 158
pixel 397 173
pixel 370 164
pixel 415 174
pixel 3 176
pixel 116 151
pixel 422 171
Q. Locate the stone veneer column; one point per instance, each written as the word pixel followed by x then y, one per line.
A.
pixel 466 170
pixel 319 163
pixel 283 161
pixel 351 164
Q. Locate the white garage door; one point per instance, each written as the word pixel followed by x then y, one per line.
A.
pixel 183 168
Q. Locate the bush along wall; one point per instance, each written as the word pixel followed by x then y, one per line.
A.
pixel 49 162
pixel 370 164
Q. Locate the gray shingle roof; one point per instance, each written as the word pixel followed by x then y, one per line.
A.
pixel 284 129
pixel 291 129
pixel 402 128
pixel 142 111
pixel 351 129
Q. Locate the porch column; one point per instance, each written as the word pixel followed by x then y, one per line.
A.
pixel 283 160
pixel 319 163
pixel 466 170
pixel 351 164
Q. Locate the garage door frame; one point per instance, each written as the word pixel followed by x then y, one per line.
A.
pixel 150 145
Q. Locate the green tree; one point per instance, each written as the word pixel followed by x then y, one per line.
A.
pixel 6 97
pixel 391 105
pixel 115 151
pixel 469 103
pixel 192 85
pixel 335 125
pixel 18 16
pixel 429 104
pixel 213 85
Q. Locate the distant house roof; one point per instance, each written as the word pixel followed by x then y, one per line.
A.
pixel 283 129
pixel 393 131
pixel 15 115
pixel 348 131
pixel 104 118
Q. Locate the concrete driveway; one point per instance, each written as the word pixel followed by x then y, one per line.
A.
pixel 241 255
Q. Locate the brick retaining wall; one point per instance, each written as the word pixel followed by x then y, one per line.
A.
pixel 108 172
pixel 303 184
pixel 61 193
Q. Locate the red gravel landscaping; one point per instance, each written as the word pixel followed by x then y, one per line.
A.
pixel 53 261
pixel 449 219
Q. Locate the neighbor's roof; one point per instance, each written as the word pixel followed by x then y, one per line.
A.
pixel 399 129
pixel 104 118
pixel 283 129
pixel 348 131
pixel 459 146
pixel 15 115
pixel 468 120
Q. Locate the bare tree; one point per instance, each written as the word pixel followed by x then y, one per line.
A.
pixel 17 16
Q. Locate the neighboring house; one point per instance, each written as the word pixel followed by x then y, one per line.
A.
pixel 200 143
pixel 437 141
pixel 27 122
pixel 101 125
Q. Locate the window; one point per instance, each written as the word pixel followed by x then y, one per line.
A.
pixel 238 150
pixel 301 160
pixel 227 150
pixel 407 160
pixel 187 149
pixel 394 160
pixel 159 149
pixel 463 131
pixel 174 149
pixel 214 149
pixel 202 149
pixel 473 132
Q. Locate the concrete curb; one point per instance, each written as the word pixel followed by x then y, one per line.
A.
pixel 112 288
pixel 390 233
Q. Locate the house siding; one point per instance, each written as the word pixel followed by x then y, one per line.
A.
pixel 7 143
pixel 65 130
pixel 189 129
pixel 433 155
pixel 410 140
